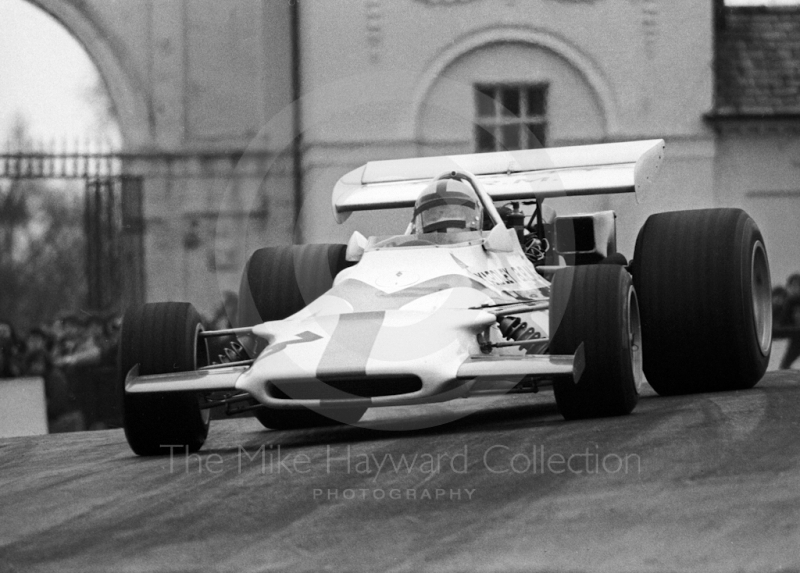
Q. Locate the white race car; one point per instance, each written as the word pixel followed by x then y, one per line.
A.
pixel 472 299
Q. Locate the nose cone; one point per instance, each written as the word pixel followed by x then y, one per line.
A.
pixel 358 345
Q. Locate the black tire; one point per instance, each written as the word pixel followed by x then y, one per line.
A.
pixel 595 306
pixel 162 338
pixel 278 282
pixel 276 419
pixel 705 300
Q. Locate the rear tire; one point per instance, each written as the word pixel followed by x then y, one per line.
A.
pixel 595 307
pixel 162 338
pixel 705 296
pixel 280 281
pixel 277 283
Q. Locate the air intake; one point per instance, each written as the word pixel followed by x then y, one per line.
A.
pixel 345 388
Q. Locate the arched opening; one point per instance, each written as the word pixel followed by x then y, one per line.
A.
pixel 51 84
pixel 506 63
pixel 62 214
pixel 476 104
pixel 117 76
pixel 60 130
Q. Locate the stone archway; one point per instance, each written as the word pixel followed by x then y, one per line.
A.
pixel 126 89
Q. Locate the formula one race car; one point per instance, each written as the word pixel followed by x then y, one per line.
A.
pixel 472 299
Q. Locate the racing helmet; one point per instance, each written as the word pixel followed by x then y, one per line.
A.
pixel 447 204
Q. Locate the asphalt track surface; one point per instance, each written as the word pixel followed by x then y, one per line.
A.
pixel 698 483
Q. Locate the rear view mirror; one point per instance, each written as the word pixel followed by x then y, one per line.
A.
pixel 499 240
pixel 355 247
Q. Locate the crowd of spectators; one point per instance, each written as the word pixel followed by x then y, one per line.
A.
pixel 62 353
pixel 76 356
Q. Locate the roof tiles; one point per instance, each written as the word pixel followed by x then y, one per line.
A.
pixel 758 62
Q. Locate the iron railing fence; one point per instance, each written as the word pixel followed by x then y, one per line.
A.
pixel 114 185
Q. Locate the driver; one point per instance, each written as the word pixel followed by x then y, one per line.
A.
pixel 447 205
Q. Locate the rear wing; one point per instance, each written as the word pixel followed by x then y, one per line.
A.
pixel 506 175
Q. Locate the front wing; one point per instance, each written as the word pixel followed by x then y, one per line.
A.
pixel 484 368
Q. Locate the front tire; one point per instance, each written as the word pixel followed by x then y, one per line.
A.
pixel 594 315
pixel 162 338
pixel 705 295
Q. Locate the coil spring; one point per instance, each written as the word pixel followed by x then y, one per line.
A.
pixel 512 328
pixel 233 352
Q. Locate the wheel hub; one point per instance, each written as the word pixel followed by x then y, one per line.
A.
pixel 761 293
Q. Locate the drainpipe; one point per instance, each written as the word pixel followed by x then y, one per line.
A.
pixel 297 123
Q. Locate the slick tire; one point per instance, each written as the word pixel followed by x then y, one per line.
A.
pixel 275 419
pixel 594 315
pixel 705 300
pixel 280 281
pixel 277 283
pixel 162 338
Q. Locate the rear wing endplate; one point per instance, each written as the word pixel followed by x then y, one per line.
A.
pixel 507 175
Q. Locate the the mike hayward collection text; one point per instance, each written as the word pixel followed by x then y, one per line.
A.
pixel 499 459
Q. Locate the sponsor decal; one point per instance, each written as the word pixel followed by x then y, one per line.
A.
pixel 510 280
pixel 507 276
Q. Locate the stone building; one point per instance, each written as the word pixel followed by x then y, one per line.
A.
pixel 756 117
pixel 205 94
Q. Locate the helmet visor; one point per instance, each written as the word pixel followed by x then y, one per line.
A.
pixel 463 217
